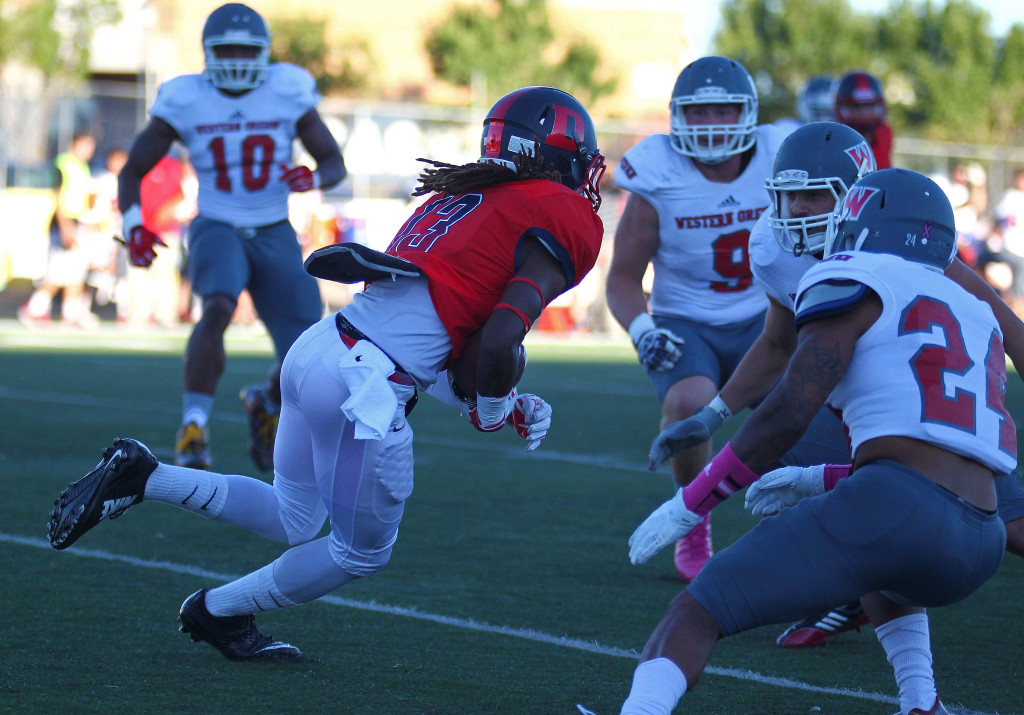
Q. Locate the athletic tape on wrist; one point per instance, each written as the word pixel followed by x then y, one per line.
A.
pixel 641 324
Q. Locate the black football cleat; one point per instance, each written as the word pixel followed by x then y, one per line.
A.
pixel 116 483
pixel 236 637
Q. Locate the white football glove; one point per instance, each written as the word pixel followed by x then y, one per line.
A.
pixel 657 348
pixel 667 524
pixel 784 487
pixel 531 418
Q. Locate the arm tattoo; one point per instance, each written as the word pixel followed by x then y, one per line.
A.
pixel 782 418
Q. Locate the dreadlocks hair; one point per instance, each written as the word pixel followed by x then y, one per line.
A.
pixel 451 179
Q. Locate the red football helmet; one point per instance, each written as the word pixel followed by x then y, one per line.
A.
pixel 860 102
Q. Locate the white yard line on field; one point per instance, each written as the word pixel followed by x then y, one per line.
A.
pixel 472 625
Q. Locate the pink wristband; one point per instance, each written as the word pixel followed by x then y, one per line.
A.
pixel 835 472
pixel 725 475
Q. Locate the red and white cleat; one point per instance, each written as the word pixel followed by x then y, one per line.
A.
pixel 817 630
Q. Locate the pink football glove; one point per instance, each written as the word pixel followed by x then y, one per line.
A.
pixel 300 178
pixel 531 418
pixel 140 240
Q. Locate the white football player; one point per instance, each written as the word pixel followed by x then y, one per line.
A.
pixel 916 365
pixel 695 194
pixel 238 119
pixel 813 170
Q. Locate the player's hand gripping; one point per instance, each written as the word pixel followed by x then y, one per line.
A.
pixel 784 487
pixel 657 348
pixel 531 418
pixel 667 524
pixel 299 178
pixel 141 242
pixel 689 432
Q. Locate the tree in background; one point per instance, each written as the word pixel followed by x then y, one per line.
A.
pixel 48 40
pixel 946 76
pixel 511 43
pixel 783 43
pixel 54 37
pixel 348 66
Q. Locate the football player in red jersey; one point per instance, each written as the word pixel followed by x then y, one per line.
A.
pixel 860 104
pixel 239 119
pixel 497 240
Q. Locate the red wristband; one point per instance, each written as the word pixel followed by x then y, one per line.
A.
pixel 527 281
pixel 522 316
pixel 724 475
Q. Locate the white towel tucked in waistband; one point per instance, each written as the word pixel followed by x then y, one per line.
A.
pixel 372 403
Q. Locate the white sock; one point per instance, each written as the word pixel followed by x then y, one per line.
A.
pixel 196 407
pixel 253 593
pixel 907 647
pixel 196 490
pixel 657 686
pixel 39 304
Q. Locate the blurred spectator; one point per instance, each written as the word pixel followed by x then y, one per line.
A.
pixel 966 191
pixel 106 266
pixel 1009 214
pixel 153 292
pixel 68 260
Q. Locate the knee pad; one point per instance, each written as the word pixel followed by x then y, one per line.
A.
pixel 369 552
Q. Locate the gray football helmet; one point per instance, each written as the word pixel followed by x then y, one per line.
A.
pixel 821 155
pixel 235 24
pixel 713 80
pixel 899 212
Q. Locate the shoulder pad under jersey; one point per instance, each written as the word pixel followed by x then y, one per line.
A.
pixel 762 245
pixel 772 137
pixel 649 165
pixel 294 83
pixel 829 297
pixel 178 92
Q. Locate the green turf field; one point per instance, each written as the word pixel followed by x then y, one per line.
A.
pixel 509 591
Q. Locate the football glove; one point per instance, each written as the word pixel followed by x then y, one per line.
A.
pixel 784 487
pixel 657 348
pixel 299 178
pixel 531 418
pixel 141 242
pixel 667 524
pixel 689 432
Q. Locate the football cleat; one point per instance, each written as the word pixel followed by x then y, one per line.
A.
pixel 116 483
pixel 694 550
pixel 817 630
pixel 937 709
pixel 236 637
pixel 262 426
pixel 583 710
pixel 190 449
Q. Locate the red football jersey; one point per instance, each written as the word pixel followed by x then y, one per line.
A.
pixel 881 145
pixel 467 244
